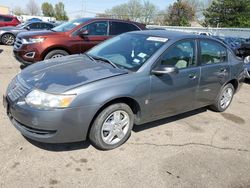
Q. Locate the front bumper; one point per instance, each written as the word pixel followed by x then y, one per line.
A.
pixel 50 126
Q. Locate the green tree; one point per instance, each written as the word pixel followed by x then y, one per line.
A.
pixel 181 13
pixel 48 9
pixel 60 12
pixel 228 13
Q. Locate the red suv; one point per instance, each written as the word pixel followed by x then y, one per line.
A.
pixel 72 37
pixel 7 20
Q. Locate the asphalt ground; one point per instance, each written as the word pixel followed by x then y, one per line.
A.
pixel 196 149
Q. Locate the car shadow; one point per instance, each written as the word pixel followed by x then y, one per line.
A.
pixel 138 128
pixel 1 50
pixel 60 147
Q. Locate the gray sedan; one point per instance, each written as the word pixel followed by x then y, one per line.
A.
pixel 130 79
pixel 8 34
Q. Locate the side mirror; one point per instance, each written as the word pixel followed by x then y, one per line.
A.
pixel 83 33
pixel 163 69
pixel 247 60
pixel 27 27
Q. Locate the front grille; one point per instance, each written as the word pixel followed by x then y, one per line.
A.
pixel 17 88
pixel 18 43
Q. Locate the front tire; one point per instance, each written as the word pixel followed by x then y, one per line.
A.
pixel 224 98
pixel 112 127
pixel 8 39
pixel 56 54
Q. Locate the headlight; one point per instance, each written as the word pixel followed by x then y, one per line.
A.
pixel 42 100
pixel 32 40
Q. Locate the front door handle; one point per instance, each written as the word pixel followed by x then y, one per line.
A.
pixel 223 70
pixel 192 76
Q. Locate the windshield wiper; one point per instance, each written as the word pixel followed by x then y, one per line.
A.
pixel 90 57
pixel 105 60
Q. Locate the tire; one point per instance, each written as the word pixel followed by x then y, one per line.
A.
pixel 8 39
pixel 224 98
pixel 115 132
pixel 56 54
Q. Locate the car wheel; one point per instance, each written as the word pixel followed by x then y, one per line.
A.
pixel 224 98
pixel 112 127
pixel 8 39
pixel 56 54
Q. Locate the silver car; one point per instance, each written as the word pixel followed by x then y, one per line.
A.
pixel 133 78
pixel 8 34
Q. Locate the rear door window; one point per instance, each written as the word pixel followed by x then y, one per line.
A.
pixel 117 28
pixel 46 26
pixel 212 52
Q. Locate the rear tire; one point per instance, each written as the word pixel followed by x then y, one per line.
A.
pixel 56 54
pixel 8 39
pixel 224 98
pixel 112 127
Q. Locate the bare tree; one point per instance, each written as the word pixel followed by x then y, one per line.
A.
pixel 18 11
pixel 149 11
pixel 33 8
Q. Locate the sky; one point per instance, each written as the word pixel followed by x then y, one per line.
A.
pixel 90 7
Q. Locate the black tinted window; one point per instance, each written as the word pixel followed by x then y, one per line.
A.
pixel 46 26
pixel 117 28
pixel 212 52
pixel 35 26
pixel 97 28
pixel 181 55
pixel 8 19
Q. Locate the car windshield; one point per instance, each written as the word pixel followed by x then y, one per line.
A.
pixel 69 25
pixel 129 51
pixel 22 25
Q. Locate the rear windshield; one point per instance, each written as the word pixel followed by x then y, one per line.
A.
pixel 70 25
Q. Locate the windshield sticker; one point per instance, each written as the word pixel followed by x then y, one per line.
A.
pixel 76 23
pixel 136 61
pixel 142 55
pixel 157 39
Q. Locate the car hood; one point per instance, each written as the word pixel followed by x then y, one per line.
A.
pixel 62 74
pixel 9 28
pixel 38 33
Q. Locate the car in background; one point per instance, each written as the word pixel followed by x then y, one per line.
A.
pixel 8 34
pixel 34 20
pixel 244 49
pixel 72 37
pixel 8 20
pixel 133 78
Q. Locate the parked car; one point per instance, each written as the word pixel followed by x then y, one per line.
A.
pixel 134 78
pixel 8 34
pixel 244 49
pixel 34 20
pixel 8 20
pixel 72 37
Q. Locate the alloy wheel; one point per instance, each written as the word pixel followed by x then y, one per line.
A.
pixel 226 98
pixel 115 127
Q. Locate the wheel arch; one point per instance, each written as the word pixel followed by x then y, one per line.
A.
pixel 235 83
pixel 55 48
pixel 132 103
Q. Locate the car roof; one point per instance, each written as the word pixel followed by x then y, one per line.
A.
pixel 7 15
pixel 112 19
pixel 173 35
